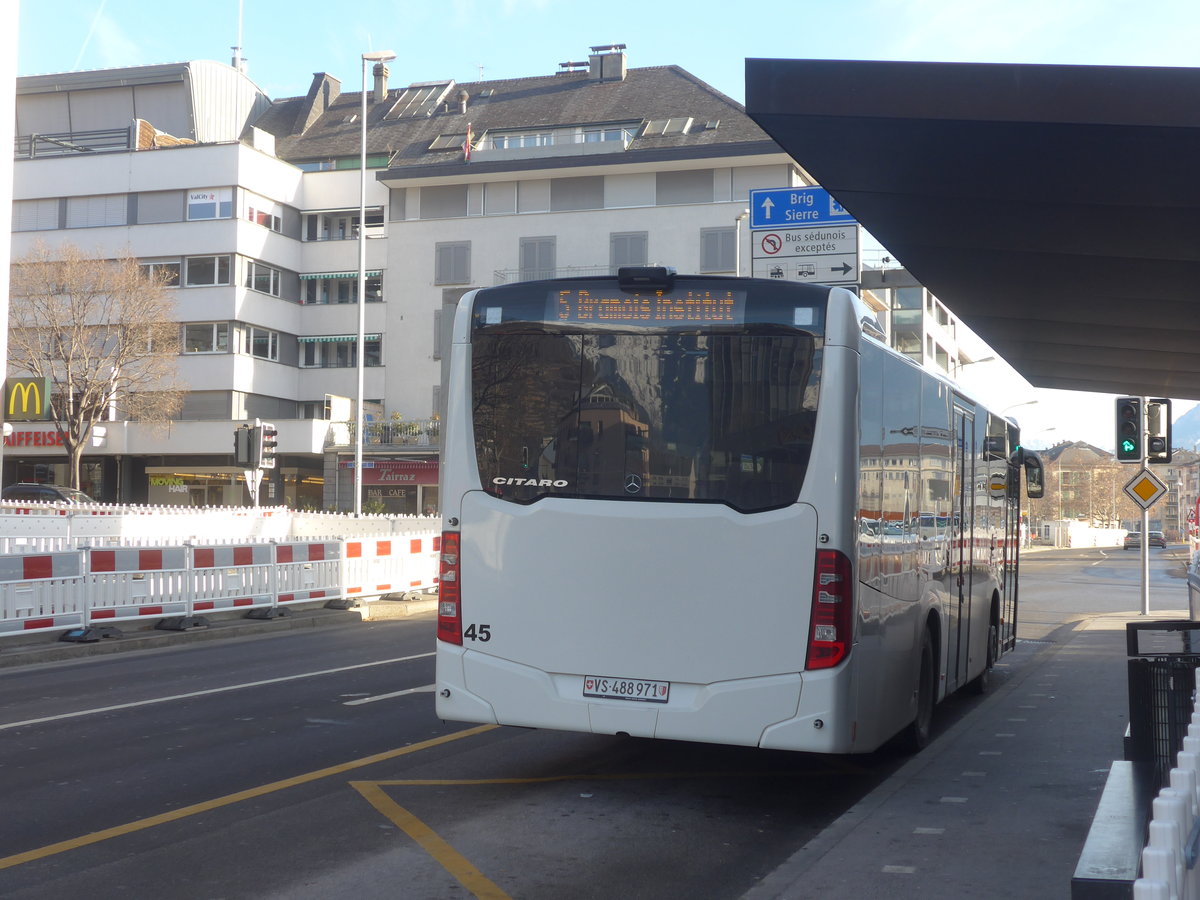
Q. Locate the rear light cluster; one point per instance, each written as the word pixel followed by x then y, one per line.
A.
pixel 449 624
pixel 832 627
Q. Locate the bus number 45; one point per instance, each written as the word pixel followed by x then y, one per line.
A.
pixel 478 633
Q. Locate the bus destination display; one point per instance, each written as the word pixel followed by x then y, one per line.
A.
pixel 701 307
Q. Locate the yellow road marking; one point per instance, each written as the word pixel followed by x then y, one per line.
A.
pixel 431 842
pixel 454 862
pixel 97 837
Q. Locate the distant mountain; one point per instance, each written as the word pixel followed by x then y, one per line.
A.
pixel 1185 432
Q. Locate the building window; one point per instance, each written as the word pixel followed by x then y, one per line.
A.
pixel 35 215
pixel 452 263
pixel 340 351
pixel 205 271
pixel 94 212
pixel 260 342
pixel 261 277
pixel 206 337
pixel 522 139
pixel 627 248
pixel 266 213
pixel 717 249
pixel 167 270
pixel 340 288
pixel 341 225
pixel 537 258
pixel 212 203
pixel 598 134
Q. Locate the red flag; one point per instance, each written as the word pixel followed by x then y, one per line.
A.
pixel 466 147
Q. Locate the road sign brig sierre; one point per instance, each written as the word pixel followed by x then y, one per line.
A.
pixel 1145 488
pixel 26 399
pixel 795 207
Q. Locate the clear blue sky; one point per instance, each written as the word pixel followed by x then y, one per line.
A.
pixel 285 42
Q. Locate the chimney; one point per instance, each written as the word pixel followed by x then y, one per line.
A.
pixel 381 75
pixel 463 97
pixel 607 63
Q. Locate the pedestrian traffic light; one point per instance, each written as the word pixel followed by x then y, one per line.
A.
pixel 1158 430
pixel 1129 429
pixel 269 441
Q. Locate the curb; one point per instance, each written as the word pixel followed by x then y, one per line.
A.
pixel 223 626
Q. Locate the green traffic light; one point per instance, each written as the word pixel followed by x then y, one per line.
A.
pixel 1128 446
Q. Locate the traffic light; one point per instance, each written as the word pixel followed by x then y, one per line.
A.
pixel 269 439
pixel 1158 430
pixel 1129 429
pixel 242 447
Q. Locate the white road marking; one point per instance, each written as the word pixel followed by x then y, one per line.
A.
pixel 423 689
pixel 210 691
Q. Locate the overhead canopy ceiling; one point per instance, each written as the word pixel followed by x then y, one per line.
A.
pixel 1055 209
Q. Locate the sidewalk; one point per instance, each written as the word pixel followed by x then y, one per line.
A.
pixel 25 650
pixel 999 805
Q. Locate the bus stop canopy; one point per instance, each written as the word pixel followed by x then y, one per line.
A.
pixel 1054 209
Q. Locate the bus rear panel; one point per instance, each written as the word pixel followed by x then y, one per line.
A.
pixel 634 538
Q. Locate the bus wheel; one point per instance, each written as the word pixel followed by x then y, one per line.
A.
pixel 919 730
pixel 983 681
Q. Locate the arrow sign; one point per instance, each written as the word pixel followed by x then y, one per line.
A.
pixel 844 268
pixel 767 205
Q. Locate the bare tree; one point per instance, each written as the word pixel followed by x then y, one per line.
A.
pixel 104 332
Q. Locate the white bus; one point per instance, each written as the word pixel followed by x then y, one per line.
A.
pixel 715 509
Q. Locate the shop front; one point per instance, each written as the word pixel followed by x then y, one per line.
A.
pixel 405 487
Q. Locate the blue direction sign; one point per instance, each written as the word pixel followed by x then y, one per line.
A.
pixel 795 207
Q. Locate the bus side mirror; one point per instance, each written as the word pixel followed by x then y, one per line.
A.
pixel 1035 479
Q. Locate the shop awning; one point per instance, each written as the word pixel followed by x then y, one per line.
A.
pixel 336 338
pixel 309 276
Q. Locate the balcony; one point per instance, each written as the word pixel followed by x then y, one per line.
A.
pixel 69 143
pixel 390 435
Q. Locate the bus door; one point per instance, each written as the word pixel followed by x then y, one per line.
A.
pixel 961 553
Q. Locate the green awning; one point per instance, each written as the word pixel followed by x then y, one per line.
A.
pixel 311 275
pixel 337 338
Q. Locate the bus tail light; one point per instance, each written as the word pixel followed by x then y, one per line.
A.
pixel 832 626
pixel 449 623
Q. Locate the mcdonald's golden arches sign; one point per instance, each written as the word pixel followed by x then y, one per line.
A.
pixel 26 399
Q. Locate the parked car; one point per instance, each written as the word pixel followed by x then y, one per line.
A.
pixel 46 493
pixel 1133 540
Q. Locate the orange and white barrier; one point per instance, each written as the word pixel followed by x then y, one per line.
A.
pixel 104 585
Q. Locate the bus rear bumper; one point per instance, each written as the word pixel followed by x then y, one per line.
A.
pixel 789 711
pixel 452 701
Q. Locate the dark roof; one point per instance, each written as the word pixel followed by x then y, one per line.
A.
pixel 1055 209
pixel 515 103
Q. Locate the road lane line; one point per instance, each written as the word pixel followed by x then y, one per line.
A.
pixel 423 689
pixel 210 691
pixel 431 842
pixel 97 837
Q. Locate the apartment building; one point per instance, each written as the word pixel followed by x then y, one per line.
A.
pixel 252 208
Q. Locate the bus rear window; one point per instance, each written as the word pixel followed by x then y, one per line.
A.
pixel 658 415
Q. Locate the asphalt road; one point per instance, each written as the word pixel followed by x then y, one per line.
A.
pixel 308 764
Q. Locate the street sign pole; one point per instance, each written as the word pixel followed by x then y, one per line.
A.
pixel 1146 561
pixel 1145 489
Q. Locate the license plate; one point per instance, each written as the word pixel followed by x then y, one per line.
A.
pixel 626 689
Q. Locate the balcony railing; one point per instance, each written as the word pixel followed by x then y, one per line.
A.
pixel 30 146
pixel 402 433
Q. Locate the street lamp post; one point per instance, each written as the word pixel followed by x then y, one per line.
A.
pixel 376 56
pixel 737 242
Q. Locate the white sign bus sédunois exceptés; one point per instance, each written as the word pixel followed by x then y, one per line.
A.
pixel 803 234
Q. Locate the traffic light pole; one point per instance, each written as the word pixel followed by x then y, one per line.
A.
pixel 1145 533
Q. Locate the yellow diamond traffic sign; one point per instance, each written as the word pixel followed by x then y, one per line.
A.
pixel 1144 488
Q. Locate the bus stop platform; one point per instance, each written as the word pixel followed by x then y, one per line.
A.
pixel 1000 803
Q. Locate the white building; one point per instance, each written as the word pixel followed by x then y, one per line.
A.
pixel 252 205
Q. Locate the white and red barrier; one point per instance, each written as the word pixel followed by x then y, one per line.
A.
pixel 40 592
pixel 1169 864
pixel 103 585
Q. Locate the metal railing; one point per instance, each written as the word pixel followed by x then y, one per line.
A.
pixel 31 146
pixel 405 432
